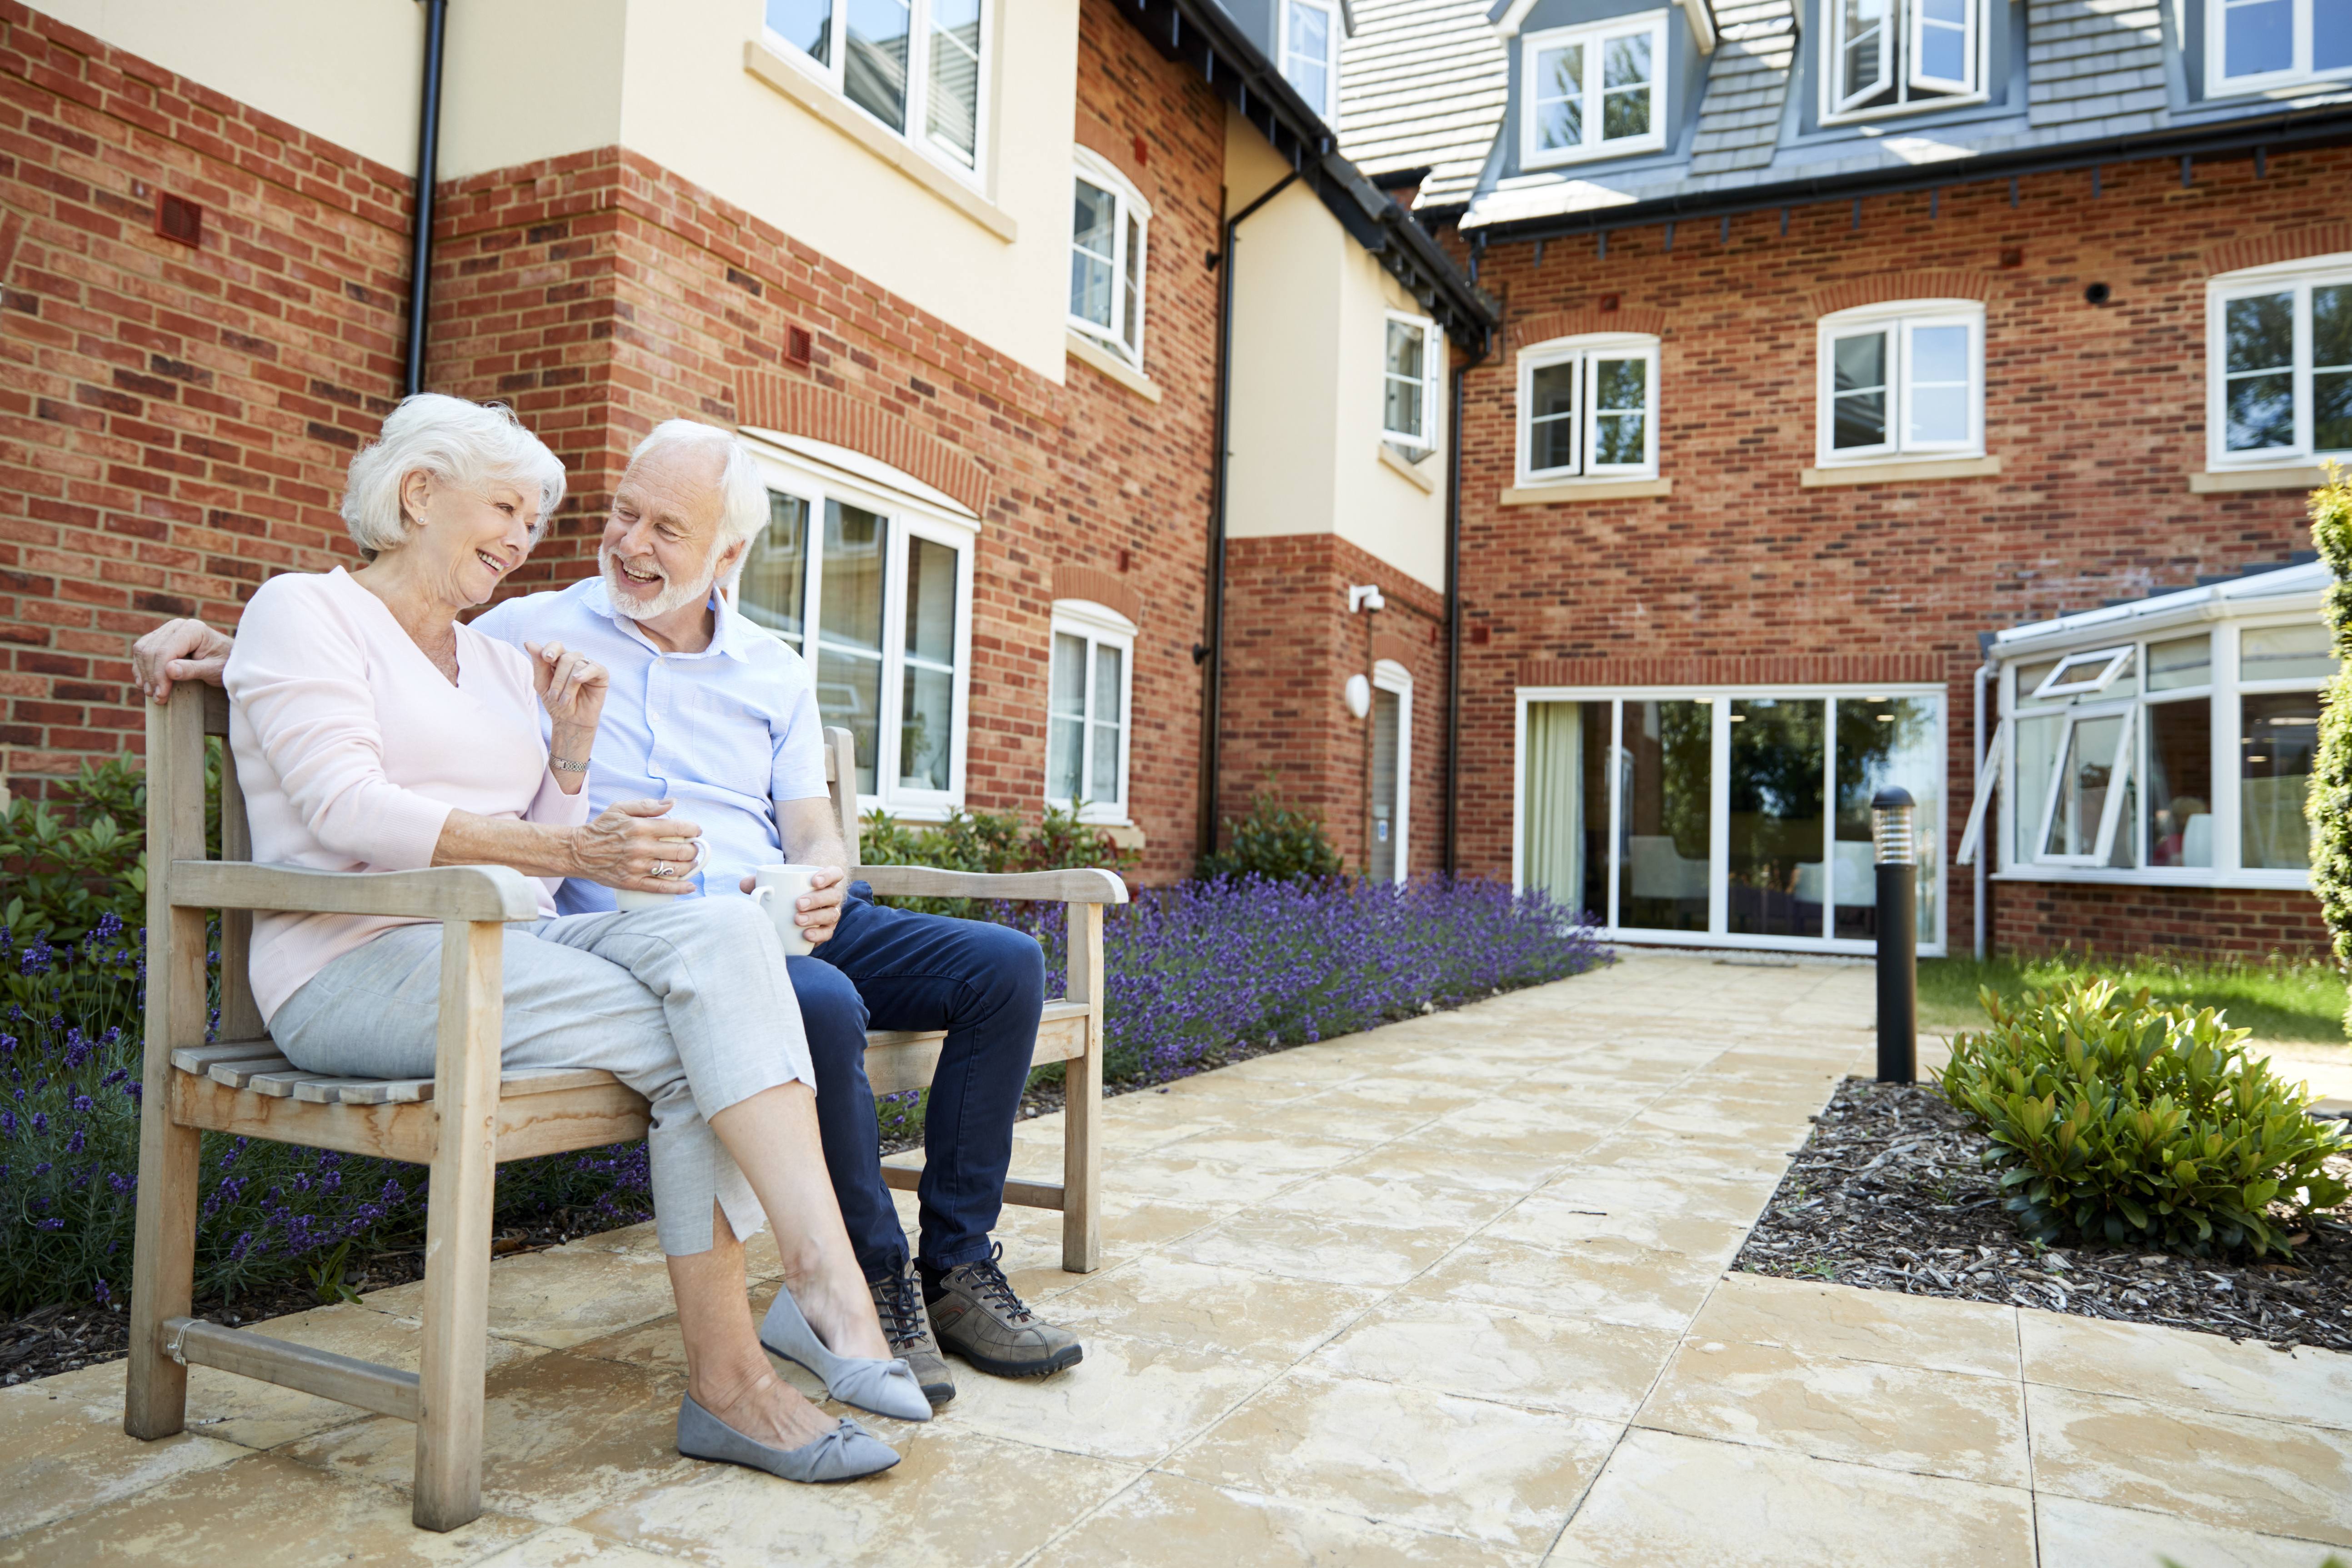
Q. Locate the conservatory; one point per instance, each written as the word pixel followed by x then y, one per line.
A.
pixel 1726 818
pixel 2168 739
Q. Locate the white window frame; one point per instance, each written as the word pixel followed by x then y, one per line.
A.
pixel 2297 279
pixel 1389 676
pixel 1433 350
pixel 1100 626
pixel 917 132
pixel 2220 84
pixel 2025 805
pixel 1129 203
pixel 1900 320
pixel 1335 30
pixel 1586 352
pixel 2119 783
pixel 1929 833
pixel 1533 155
pixel 911 510
pixel 1903 22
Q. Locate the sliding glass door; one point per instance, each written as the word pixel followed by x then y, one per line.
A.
pixel 1726 818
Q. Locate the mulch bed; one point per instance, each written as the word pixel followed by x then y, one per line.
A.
pixel 1888 1194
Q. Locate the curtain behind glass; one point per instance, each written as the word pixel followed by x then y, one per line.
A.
pixel 1554 848
pixel 926 719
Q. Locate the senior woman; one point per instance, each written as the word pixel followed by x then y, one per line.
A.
pixel 373 733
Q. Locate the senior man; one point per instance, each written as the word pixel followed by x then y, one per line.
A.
pixel 709 712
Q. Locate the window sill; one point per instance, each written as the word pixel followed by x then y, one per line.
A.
pixel 2257 880
pixel 846 118
pixel 1568 491
pixel 2221 481
pixel 1087 352
pixel 1427 482
pixel 1902 473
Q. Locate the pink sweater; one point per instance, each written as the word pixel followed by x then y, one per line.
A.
pixel 353 750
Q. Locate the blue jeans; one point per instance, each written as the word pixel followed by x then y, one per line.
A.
pixel 888 969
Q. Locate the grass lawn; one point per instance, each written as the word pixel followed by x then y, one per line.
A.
pixel 2279 999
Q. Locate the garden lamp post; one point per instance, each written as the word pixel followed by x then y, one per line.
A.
pixel 1898 937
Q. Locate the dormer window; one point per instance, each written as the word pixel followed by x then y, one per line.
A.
pixel 2255 44
pixel 1593 91
pixel 1310 53
pixel 1896 57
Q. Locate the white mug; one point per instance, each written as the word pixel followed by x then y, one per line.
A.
pixel 627 899
pixel 779 887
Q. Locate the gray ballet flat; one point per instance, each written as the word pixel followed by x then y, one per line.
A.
pixel 882 1387
pixel 844 1454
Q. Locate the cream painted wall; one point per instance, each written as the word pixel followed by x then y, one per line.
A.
pixel 528 80
pixel 344 70
pixel 690 105
pixel 1309 341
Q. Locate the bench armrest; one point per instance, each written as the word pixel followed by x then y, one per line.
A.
pixel 1087 886
pixel 443 893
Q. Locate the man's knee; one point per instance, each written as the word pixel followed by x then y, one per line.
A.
pixel 833 1015
pixel 1005 965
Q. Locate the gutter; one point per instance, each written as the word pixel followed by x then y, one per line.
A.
pixel 2297 129
pixel 428 161
pixel 1213 717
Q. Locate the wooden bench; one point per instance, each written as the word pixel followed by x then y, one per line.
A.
pixel 464 1120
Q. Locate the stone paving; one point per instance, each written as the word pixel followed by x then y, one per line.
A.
pixel 1450 1292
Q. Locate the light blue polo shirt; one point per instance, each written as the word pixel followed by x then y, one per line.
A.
pixel 726 732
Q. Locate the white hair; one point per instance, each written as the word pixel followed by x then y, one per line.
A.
pixel 463 445
pixel 743 493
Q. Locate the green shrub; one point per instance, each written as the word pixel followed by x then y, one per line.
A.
pixel 2328 807
pixel 1283 843
pixel 65 870
pixel 2112 1119
pixel 987 841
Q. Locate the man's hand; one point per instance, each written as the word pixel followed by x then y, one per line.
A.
pixel 820 907
pixel 178 650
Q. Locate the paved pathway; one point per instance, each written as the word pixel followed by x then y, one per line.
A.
pixel 1452 1293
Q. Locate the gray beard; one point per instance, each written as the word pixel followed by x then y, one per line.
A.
pixel 625 595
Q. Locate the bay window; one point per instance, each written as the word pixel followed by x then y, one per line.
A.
pixel 2182 752
pixel 1310 52
pixel 1895 56
pixel 920 66
pixel 1593 91
pixel 1409 383
pixel 1107 235
pixel 2253 45
pixel 873 589
pixel 1902 380
pixel 1589 408
pixel 1089 688
pixel 2279 365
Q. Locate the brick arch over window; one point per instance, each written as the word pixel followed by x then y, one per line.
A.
pixel 1396 650
pixel 2321 239
pixel 1888 287
pixel 1119 152
pixel 1553 324
pixel 1105 588
pixel 796 408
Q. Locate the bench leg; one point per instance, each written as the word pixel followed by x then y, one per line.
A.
pixel 163 1266
pixel 1082 1101
pixel 458 1230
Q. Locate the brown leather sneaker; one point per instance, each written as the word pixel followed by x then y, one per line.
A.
pixel 900 1304
pixel 980 1320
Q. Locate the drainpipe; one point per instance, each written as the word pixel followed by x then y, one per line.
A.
pixel 428 157
pixel 1453 621
pixel 1984 841
pixel 1212 693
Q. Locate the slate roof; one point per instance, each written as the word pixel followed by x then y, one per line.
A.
pixel 1422 85
pixel 1747 83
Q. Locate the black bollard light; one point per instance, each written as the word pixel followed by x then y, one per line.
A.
pixel 1898 937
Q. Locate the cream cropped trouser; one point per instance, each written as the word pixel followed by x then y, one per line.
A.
pixel 689 1004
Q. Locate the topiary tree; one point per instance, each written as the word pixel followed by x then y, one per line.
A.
pixel 2328 807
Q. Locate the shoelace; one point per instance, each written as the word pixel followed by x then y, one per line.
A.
pixel 901 1302
pixel 989 1283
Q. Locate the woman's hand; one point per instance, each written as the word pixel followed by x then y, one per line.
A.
pixel 571 688
pixel 622 847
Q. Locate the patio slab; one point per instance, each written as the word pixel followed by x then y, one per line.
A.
pixel 1449 1292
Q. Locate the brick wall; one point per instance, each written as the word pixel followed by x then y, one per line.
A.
pixel 2097 414
pixel 1291 644
pixel 2039 917
pixel 179 421
pixel 174 420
